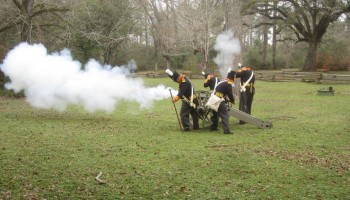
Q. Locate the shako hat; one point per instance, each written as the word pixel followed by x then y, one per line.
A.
pixel 205 74
pixel 231 75
pixel 173 75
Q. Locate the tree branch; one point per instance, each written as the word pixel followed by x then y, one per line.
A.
pixel 18 4
pixel 49 10
pixel 10 26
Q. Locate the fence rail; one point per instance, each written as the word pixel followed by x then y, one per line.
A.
pixel 276 76
pixel 316 77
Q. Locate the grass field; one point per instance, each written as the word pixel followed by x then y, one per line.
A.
pixel 45 154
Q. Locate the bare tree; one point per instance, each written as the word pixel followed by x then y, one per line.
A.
pixel 169 31
pixel 308 19
pixel 199 24
pixel 152 9
pixel 274 38
pixel 28 17
pixel 180 27
pixel 234 21
pixel 106 24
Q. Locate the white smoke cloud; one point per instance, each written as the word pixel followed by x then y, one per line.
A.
pixel 227 47
pixel 56 81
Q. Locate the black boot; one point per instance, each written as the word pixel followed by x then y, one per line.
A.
pixel 213 127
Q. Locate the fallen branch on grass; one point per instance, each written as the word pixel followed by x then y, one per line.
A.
pixel 99 180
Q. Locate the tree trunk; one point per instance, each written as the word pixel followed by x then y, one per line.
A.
pixel 226 15
pixel 167 62
pixel 265 30
pixel 155 55
pixel 107 55
pixel 26 29
pixel 251 36
pixel 264 46
pixel 233 20
pixel 310 61
pixel 206 45
pixel 274 39
pixel 287 54
pixel 274 44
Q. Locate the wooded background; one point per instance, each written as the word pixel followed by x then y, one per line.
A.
pixel 276 34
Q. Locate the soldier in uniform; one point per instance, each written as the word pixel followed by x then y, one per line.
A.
pixel 210 80
pixel 247 89
pixel 222 90
pixel 189 100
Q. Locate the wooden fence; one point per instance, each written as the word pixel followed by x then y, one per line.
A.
pixel 316 77
pixel 275 76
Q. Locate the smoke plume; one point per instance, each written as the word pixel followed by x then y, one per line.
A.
pixel 227 47
pixel 56 81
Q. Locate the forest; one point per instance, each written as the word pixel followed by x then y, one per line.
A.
pixel 158 34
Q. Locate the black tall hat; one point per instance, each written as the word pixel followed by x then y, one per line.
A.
pixel 231 75
pixel 205 74
pixel 173 75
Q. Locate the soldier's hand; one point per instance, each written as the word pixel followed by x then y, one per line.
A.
pixel 176 98
pixel 226 99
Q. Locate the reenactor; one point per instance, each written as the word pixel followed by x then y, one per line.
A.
pixel 224 90
pixel 210 80
pixel 247 89
pixel 189 100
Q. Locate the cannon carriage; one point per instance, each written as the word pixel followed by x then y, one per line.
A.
pixel 204 113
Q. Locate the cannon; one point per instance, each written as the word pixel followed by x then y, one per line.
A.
pixel 204 113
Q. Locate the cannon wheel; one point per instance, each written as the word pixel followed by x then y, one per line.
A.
pixel 204 113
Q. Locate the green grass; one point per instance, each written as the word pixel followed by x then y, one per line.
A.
pixel 45 154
